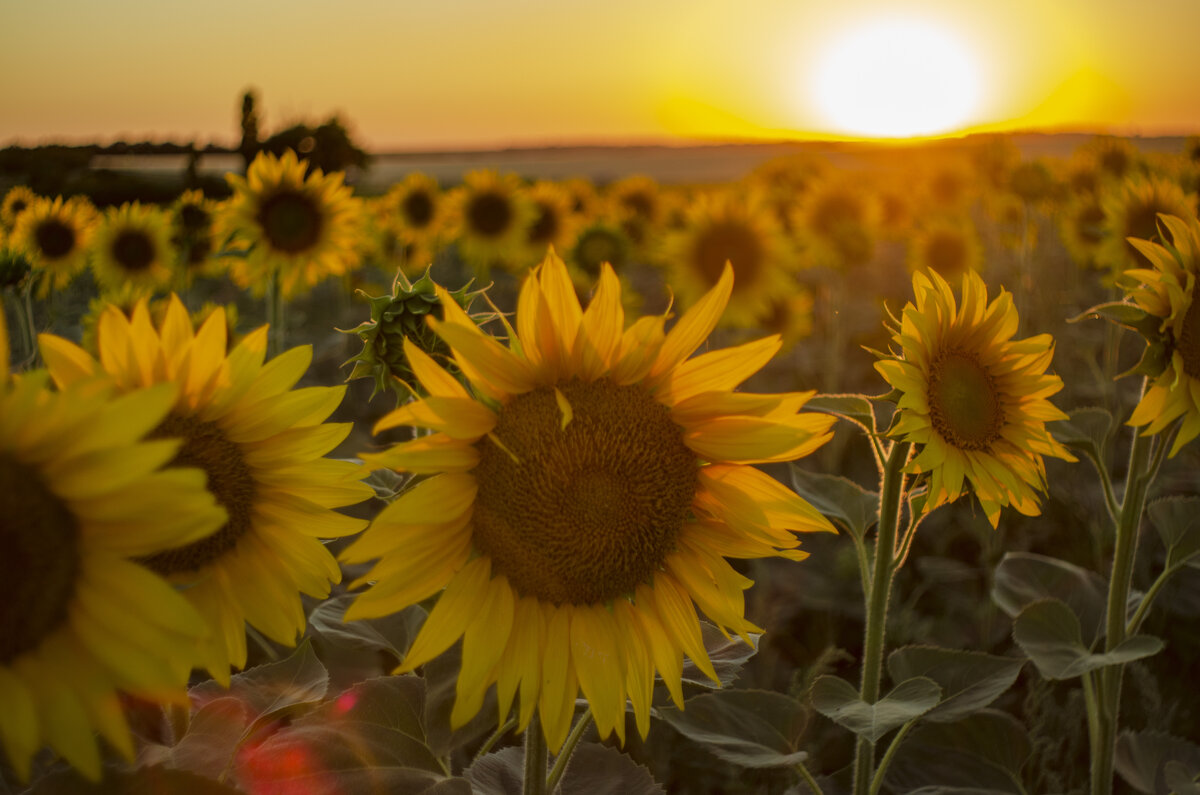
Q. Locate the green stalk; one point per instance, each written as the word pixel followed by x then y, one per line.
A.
pixel 891 494
pixel 275 320
pixel 535 759
pixel 564 755
pixel 1137 481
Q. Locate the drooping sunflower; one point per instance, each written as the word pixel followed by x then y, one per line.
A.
pixel 132 247
pixel 581 506
pixel 1167 290
pixel 735 228
pixel 16 201
pixel 492 214
pixel 950 247
pixel 302 227
pixel 261 444
pixel 82 495
pixel 1132 211
pixel 973 398
pixel 56 233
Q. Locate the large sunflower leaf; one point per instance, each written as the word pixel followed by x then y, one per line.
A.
pixel 1048 632
pixel 983 753
pixel 1177 520
pixel 298 680
pixel 970 680
pixel 727 654
pixel 839 701
pixel 130 782
pixel 1086 430
pixel 593 770
pixel 749 728
pixel 854 408
pixel 353 651
pixel 1023 578
pixel 1143 759
pixel 840 499
pixel 441 678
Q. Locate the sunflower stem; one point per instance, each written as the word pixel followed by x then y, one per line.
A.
pixel 1137 482
pixel 491 741
pixel 535 759
pixel 564 756
pixel 891 495
pixel 275 321
pixel 813 786
pixel 881 771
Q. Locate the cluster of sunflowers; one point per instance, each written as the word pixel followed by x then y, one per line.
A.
pixel 574 485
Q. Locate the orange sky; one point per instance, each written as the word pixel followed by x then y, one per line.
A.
pixel 479 73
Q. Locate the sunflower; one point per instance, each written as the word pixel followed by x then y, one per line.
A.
pixel 416 213
pixel 584 503
pixel 192 218
pixel 836 220
pixel 132 246
pixel 15 202
pixel 973 398
pixel 56 234
pixel 950 247
pixel 493 214
pixel 1115 158
pixel 585 201
pixel 1167 290
pixel 554 225
pixel 597 244
pixel 260 443
pixel 1081 227
pixel 734 228
pixel 1132 211
pixel 81 495
pixel 634 202
pixel 304 228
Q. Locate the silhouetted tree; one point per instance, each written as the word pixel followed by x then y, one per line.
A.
pixel 249 146
pixel 327 147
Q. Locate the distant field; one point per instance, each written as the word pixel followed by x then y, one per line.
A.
pixel 668 165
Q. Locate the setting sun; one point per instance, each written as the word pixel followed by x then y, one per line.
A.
pixel 896 79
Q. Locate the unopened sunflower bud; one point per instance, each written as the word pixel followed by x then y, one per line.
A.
pixel 398 316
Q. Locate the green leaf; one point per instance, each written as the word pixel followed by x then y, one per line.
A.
pixel 441 678
pixel 855 408
pixel 130 782
pixel 214 734
pixel 1048 632
pixel 728 656
pixel 983 753
pixel 268 689
pixel 499 773
pixel 387 483
pixel 386 713
pixel 842 500
pixel 1122 313
pixel 1177 520
pixel 353 651
pixel 1023 578
pixel 1087 430
pixel 838 700
pixel 749 728
pixel 1180 779
pixel 595 769
pixel 1142 759
pixel 970 680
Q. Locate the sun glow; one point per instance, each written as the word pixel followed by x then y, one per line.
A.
pixel 896 79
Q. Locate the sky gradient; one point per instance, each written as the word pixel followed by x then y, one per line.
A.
pixel 482 73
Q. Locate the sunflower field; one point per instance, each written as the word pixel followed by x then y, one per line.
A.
pixel 822 480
